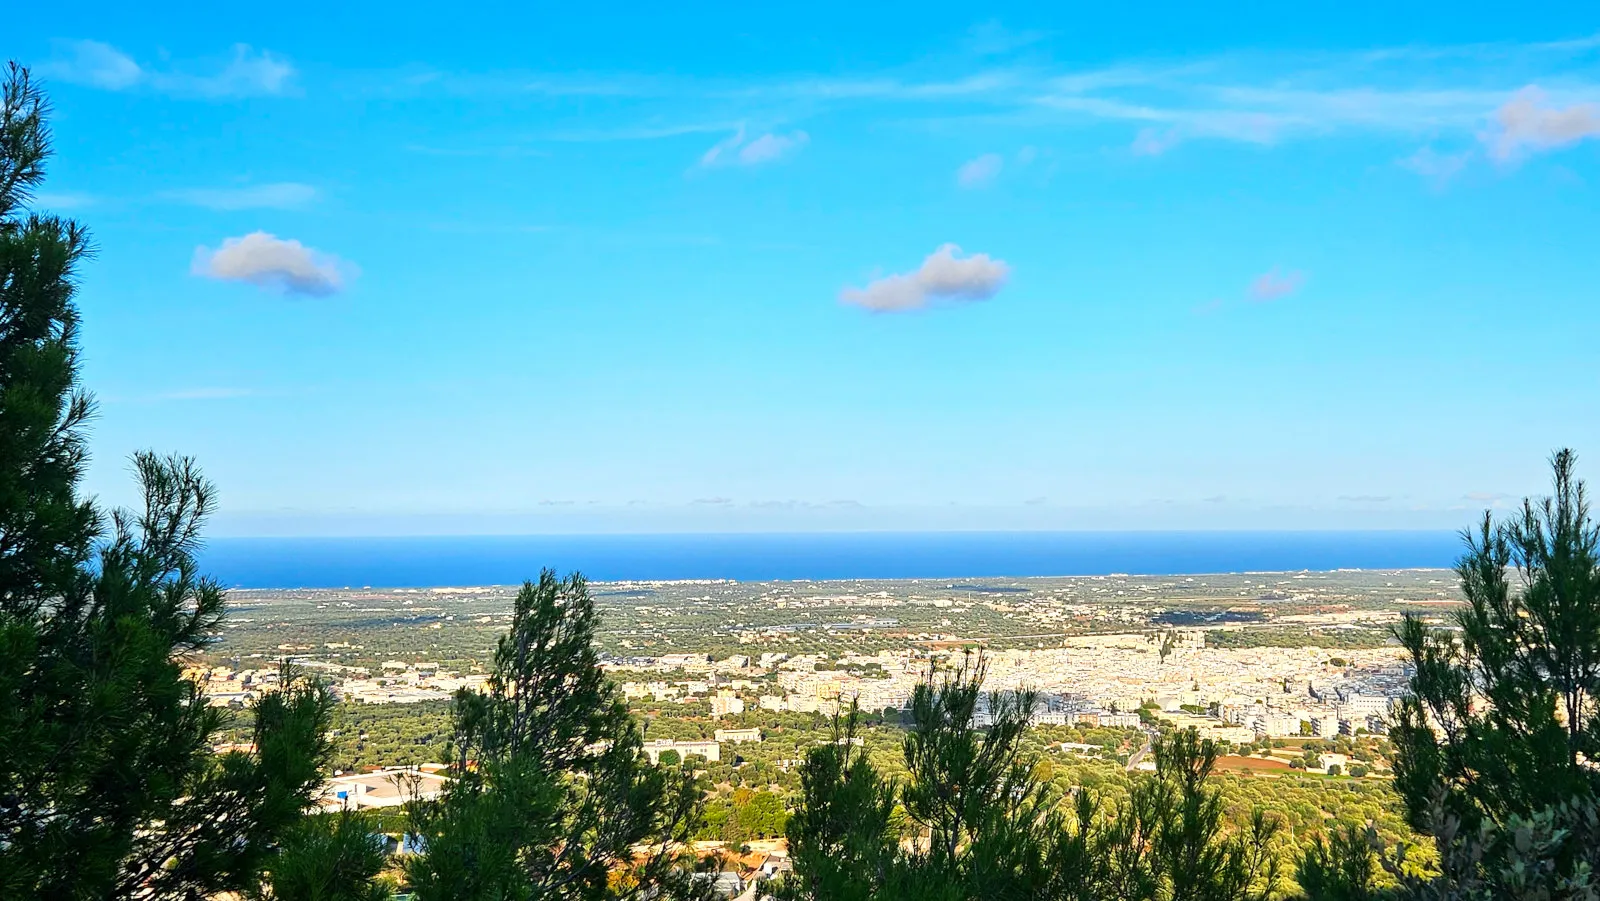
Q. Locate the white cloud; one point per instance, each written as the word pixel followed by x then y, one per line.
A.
pixel 736 151
pixel 980 172
pixel 95 64
pixel 1528 121
pixel 247 73
pixel 272 262
pixel 1274 285
pixel 942 276
pixel 276 196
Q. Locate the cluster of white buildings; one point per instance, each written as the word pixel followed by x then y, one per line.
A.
pixel 396 682
pixel 1096 680
pixel 399 682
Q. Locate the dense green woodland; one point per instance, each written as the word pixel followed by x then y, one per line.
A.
pixel 110 788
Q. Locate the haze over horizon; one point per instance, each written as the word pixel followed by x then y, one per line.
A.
pixel 700 270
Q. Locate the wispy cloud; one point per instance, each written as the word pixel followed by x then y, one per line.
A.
pixel 1530 122
pixel 1273 285
pixel 94 64
pixel 272 262
pixel 980 172
pixel 944 276
pixel 766 148
pixel 276 196
pixel 62 200
pixel 1261 98
pixel 246 72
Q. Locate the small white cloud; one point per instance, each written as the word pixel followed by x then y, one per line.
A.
pixel 272 262
pixel 980 172
pixel 1528 122
pixel 1436 167
pixel 247 73
pixel 769 147
pixel 94 64
pixel 942 276
pixel 277 196
pixel 1274 285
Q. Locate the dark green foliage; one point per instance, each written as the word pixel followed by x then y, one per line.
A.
pixel 1339 867
pixel 328 857
pixel 980 823
pixel 971 792
pixel 1514 695
pixel 840 837
pixel 45 526
pixel 108 786
pixel 551 791
pixel 1169 840
pixel 1494 746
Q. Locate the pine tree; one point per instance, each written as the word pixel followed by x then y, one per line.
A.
pixel 328 857
pixel 1168 839
pixel 841 838
pixel 1495 744
pixel 46 528
pixel 108 786
pixel 980 824
pixel 1339 867
pixel 983 822
pixel 552 797
pixel 1514 693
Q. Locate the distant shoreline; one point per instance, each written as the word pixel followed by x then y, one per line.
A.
pixel 485 561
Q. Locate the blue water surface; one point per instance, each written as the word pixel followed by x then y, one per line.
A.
pixel 503 560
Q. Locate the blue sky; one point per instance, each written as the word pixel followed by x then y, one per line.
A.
pixel 385 270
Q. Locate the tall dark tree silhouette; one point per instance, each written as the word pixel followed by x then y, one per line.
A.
pixel 1501 729
pixel 1513 692
pixel 552 796
pixel 108 786
pixel 841 836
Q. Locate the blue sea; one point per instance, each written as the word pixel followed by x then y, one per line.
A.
pixel 505 560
